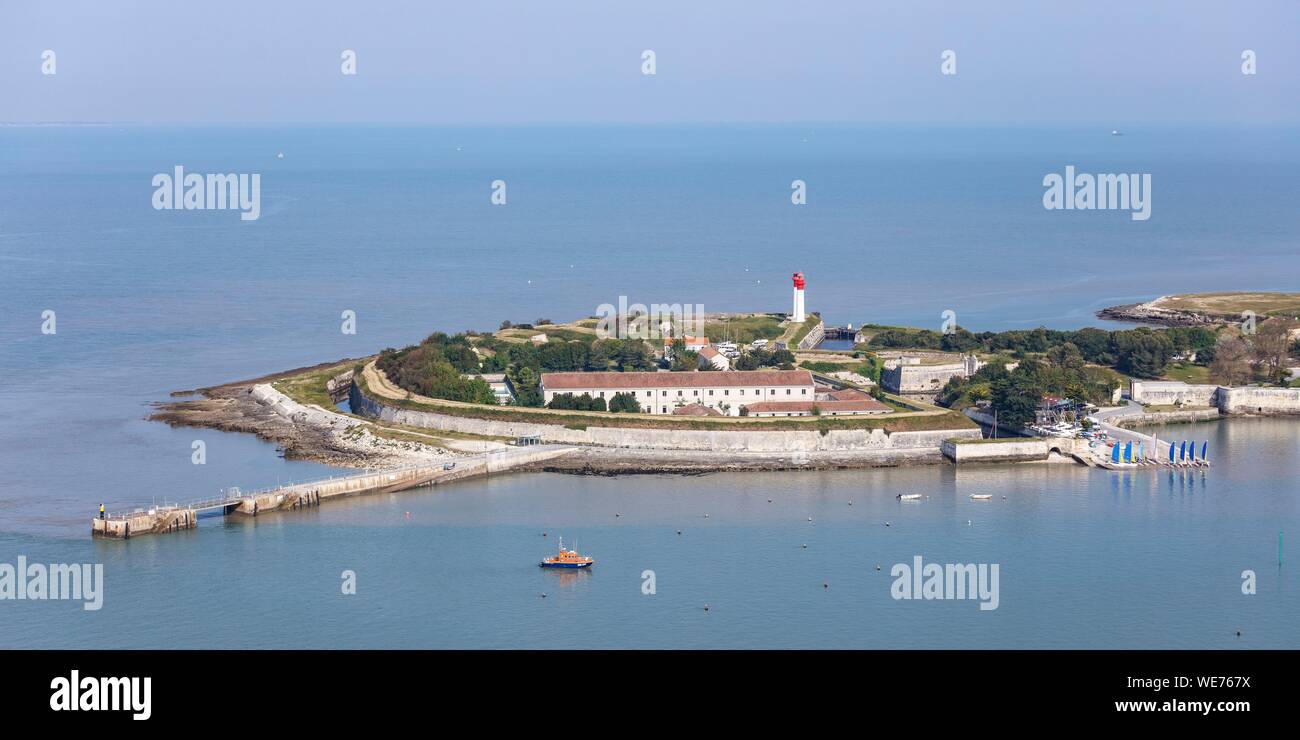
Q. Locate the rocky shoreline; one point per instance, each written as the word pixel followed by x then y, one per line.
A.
pixel 301 432
pixel 1150 313
pixel 334 438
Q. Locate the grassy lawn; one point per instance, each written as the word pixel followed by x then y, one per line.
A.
pixel 309 388
pixel 807 326
pixel 568 333
pixel 582 330
pixel 1231 304
pixel 819 366
pixel 1188 373
pixel 744 329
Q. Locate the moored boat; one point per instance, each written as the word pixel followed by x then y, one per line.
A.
pixel 981 496
pixel 566 559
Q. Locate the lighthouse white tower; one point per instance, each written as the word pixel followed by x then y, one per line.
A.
pixel 798 316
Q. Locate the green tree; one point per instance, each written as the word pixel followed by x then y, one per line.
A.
pixel 634 355
pixel 1144 354
pixel 1016 398
pixel 682 358
pixel 871 366
pixel 527 387
pixel 624 402
pixel 1066 356
pixel 960 340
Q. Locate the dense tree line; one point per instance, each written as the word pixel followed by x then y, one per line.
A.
pixel 1264 356
pixel 782 359
pixel 568 401
pixel 1141 352
pixel 436 368
pixel 1016 393
pixel 559 355
pixel 524 363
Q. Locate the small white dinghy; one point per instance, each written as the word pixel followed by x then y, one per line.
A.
pixel 909 497
pixel 981 496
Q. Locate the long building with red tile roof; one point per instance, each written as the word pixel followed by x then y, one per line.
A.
pixel 662 392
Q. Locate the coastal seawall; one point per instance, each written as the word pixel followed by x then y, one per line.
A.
pixel 1173 393
pixel 1011 449
pixel 1259 401
pixel 1184 416
pixel 814 337
pixel 776 442
pixel 1244 400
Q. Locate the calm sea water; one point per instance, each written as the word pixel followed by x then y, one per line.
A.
pixel 395 224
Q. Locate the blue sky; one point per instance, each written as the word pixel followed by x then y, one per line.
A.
pixel 523 61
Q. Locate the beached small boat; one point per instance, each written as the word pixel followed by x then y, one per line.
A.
pixel 909 497
pixel 981 496
pixel 566 559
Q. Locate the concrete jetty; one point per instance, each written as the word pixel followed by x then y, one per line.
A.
pixel 173 518
pixel 1084 451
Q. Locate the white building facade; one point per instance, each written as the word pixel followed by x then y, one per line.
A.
pixel 660 393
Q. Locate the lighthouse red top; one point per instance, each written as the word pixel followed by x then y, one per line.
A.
pixel 798 280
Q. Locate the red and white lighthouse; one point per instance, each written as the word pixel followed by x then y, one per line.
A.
pixel 798 298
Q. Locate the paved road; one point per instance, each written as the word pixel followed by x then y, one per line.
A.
pixel 1107 418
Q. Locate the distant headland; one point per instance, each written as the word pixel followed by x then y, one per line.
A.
pixel 1201 309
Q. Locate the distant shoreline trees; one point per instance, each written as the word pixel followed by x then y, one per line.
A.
pixel 1143 352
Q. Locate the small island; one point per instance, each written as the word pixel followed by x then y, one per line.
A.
pixel 751 390
pixel 672 393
